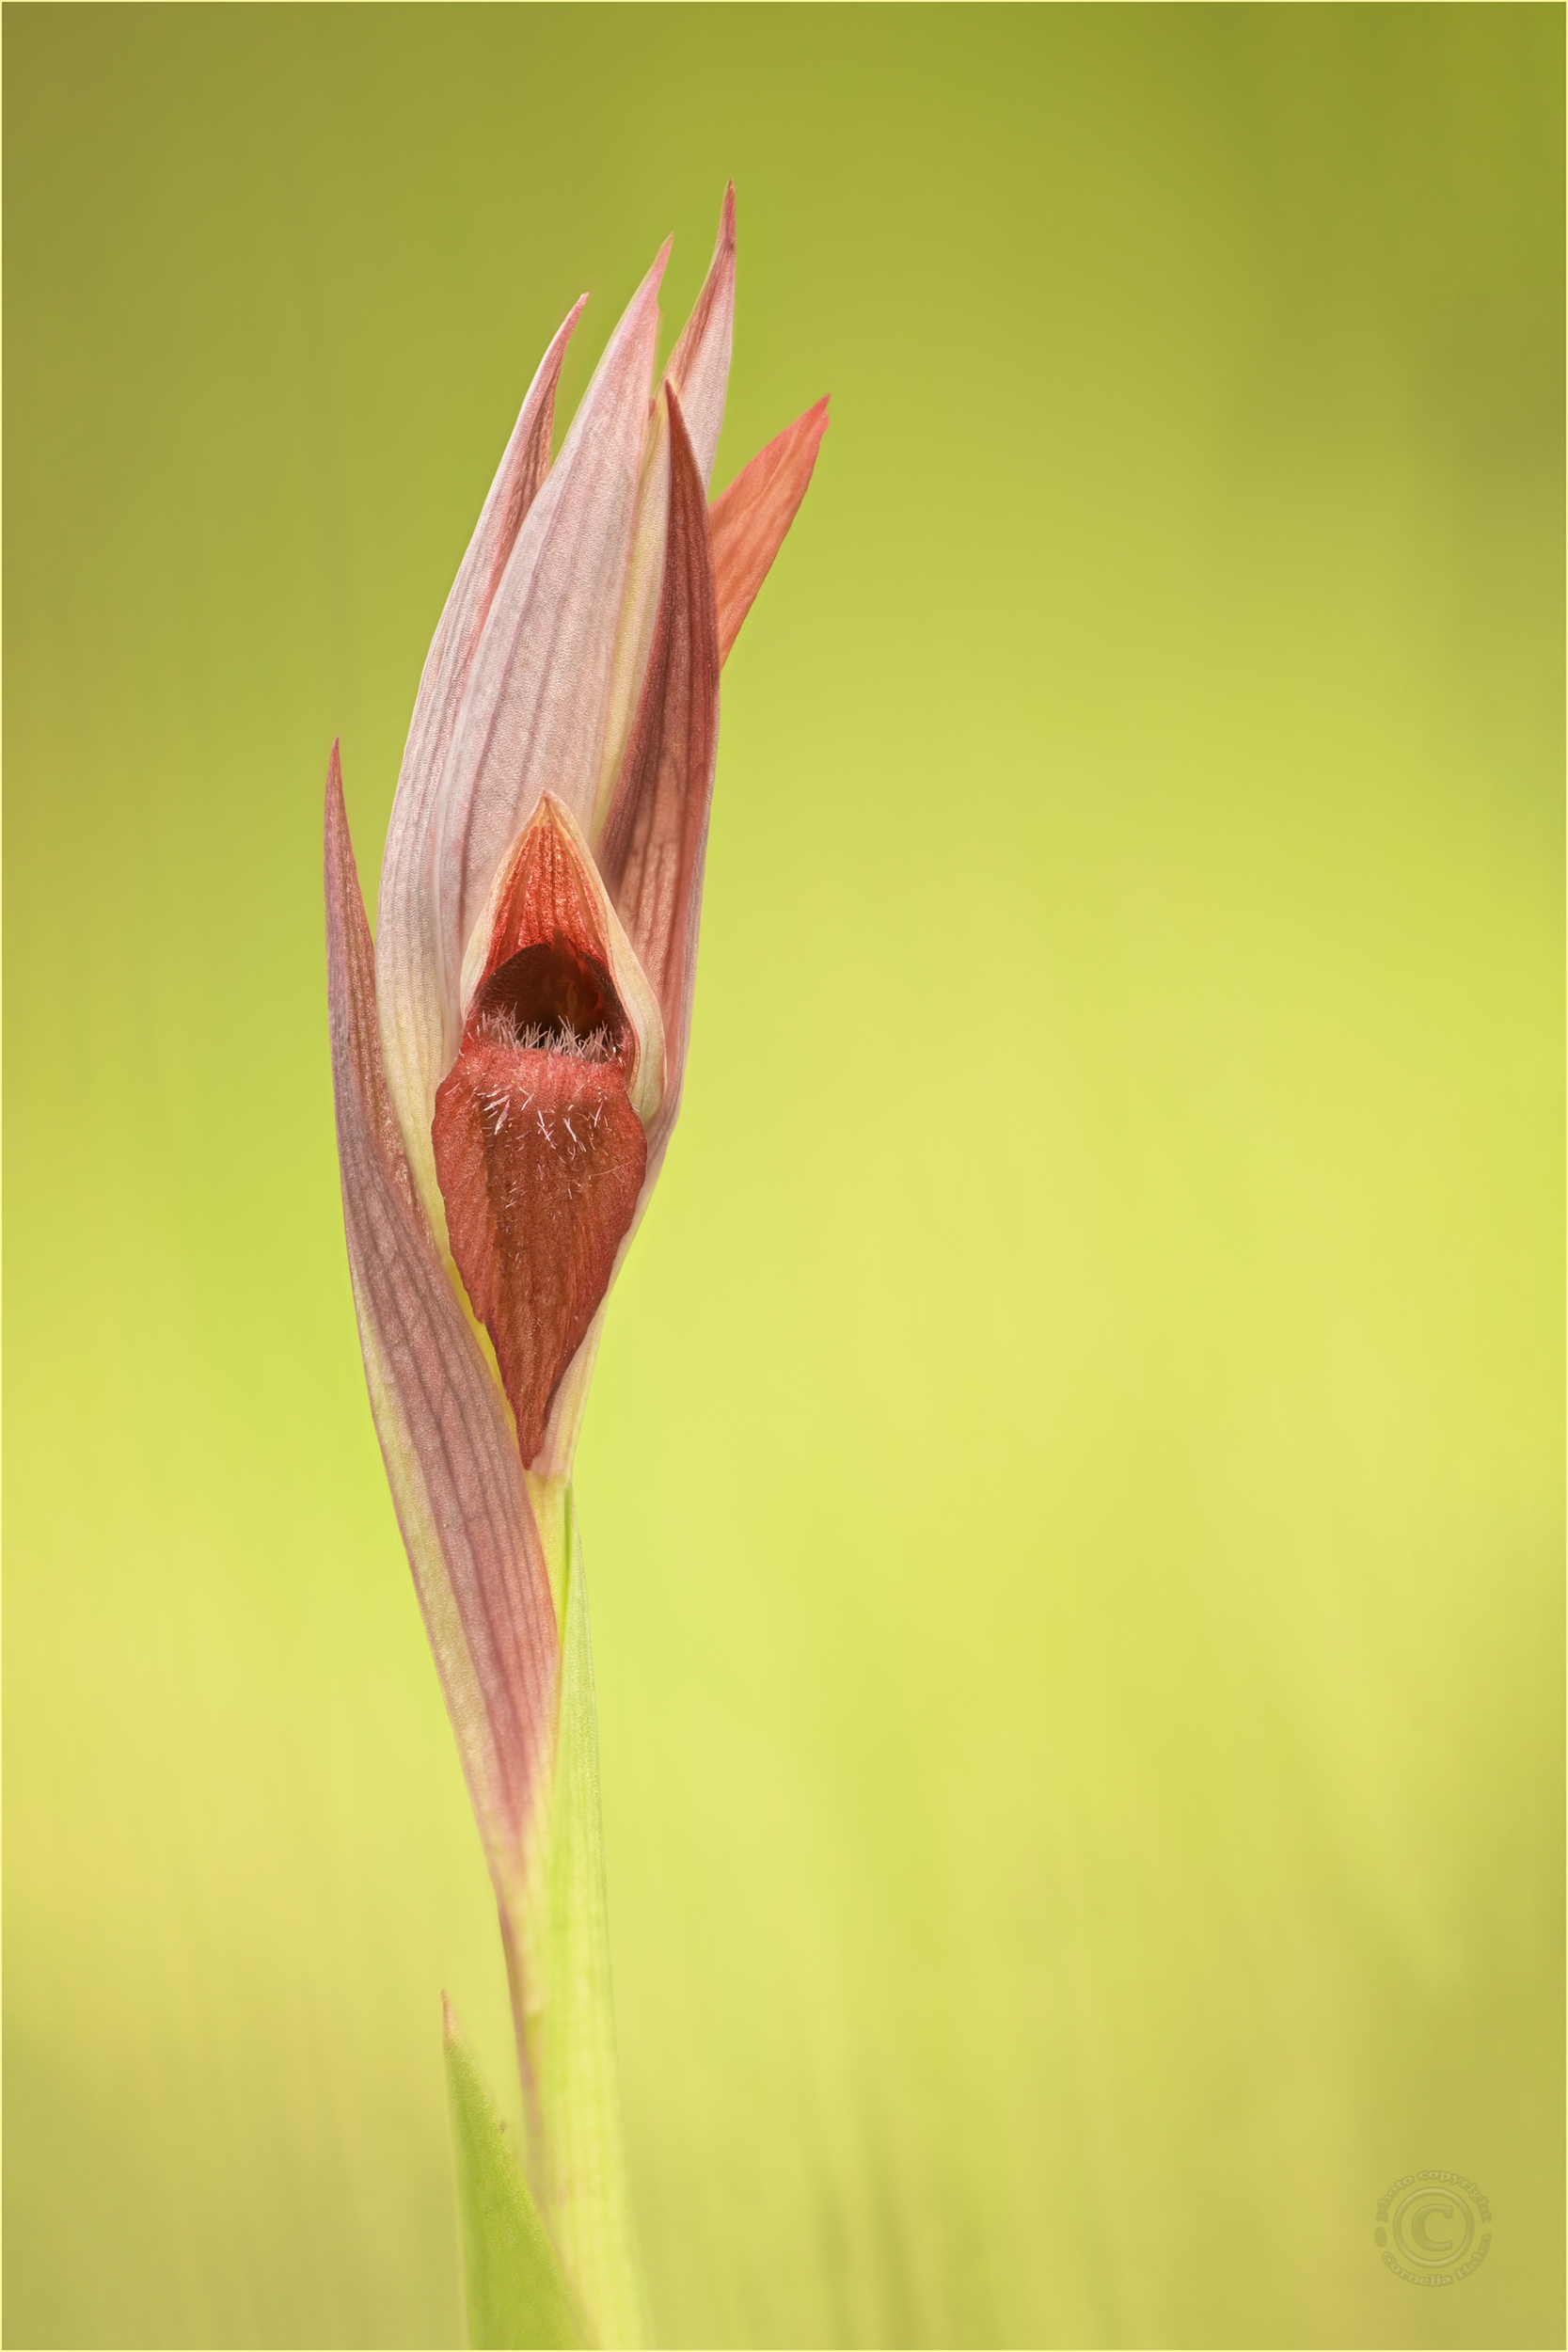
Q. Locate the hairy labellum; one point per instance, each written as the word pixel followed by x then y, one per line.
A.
pixel 539 1152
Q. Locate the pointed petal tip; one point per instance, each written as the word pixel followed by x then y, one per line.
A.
pixel 699 362
pixel 751 518
pixel 336 809
pixel 640 315
pixel 563 333
pixel 448 2020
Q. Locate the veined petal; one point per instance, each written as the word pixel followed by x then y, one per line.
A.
pixel 539 1131
pixel 451 1461
pixel 699 373
pixel 533 716
pixel 656 836
pixel 408 962
pixel 750 521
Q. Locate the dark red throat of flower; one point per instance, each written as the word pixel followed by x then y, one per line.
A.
pixel 539 1153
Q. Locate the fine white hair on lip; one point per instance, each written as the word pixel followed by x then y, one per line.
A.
pixel 502 1027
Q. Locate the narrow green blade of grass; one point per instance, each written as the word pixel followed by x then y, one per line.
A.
pixel 513 2287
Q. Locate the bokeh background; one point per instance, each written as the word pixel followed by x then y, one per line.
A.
pixel 1073 1490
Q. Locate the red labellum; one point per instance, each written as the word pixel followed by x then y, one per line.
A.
pixel 539 1153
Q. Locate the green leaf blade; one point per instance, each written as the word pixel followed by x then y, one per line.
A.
pixel 513 2288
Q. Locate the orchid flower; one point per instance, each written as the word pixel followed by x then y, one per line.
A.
pixel 507 1065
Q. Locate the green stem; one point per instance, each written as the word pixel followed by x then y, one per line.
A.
pixel 558 1962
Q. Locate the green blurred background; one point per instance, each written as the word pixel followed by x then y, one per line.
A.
pixel 1073 1490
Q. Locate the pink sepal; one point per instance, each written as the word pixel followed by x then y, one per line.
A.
pixel 410 958
pixel 446 1437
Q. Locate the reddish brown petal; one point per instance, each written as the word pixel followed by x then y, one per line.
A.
pixel 655 836
pixel 751 518
pixel 541 1158
pixel 698 371
pixel 456 1479
pixel 545 897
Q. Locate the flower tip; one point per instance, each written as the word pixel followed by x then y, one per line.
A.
pixel 449 2022
pixel 337 812
pixel 646 296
